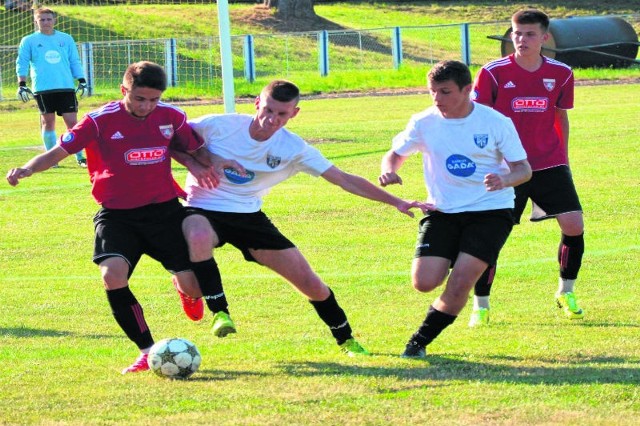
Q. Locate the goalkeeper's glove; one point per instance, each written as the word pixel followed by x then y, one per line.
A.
pixel 82 87
pixel 24 93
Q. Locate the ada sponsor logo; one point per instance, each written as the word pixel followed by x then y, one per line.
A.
pixel 533 104
pixel 68 137
pixel 481 140
pixel 166 130
pixel 273 161
pixel 459 165
pixel 234 177
pixel 145 156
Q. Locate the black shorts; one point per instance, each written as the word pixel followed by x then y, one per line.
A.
pixel 551 191
pixel 154 230
pixel 480 234
pixel 245 231
pixel 58 102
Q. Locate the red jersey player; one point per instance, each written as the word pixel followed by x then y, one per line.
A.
pixel 535 92
pixel 127 144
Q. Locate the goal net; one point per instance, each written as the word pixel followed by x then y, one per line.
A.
pixel 188 48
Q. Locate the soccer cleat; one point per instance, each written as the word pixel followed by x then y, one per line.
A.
pixel 352 348
pixel 569 304
pixel 222 324
pixel 193 308
pixel 479 318
pixel 414 350
pixel 82 162
pixel 139 365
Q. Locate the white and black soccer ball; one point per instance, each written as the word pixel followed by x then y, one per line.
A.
pixel 174 358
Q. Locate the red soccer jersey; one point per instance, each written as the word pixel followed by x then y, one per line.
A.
pixel 530 99
pixel 127 158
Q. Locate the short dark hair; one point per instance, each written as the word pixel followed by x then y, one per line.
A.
pixel 450 70
pixel 282 91
pixel 531 16
pixel 145 74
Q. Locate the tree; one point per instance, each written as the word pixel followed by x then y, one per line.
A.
pixel 292 9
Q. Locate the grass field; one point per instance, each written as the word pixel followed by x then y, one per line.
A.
pixel 62 352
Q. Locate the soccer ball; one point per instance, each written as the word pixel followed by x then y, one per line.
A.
pixel 174 358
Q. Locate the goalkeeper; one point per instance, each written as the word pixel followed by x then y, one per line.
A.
pixel 51 58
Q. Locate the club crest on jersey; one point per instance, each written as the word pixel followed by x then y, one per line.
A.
pixel 67 137
pixel 273 161
pixel 481 140
pixel 166 130
pixel 549 83
pixel 461 166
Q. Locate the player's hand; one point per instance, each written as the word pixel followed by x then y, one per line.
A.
pixel 82 87
pixel 390 178
pixel 207 176
pixel 24 93
pixel 14 175
pixel 406 206
pixel 493 182
pixel 221 163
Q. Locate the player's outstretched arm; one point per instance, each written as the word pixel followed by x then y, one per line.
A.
pixel 360 186
pixel 37 164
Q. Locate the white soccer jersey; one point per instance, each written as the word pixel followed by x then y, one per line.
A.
pixel 267 163
pixel 458 153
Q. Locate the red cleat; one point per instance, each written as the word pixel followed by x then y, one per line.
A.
pixel 194 308
pixel 141 364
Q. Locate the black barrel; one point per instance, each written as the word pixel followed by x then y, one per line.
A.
pixel 585 42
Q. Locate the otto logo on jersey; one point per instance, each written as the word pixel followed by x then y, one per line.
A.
pixel 145 156
pixel 235 177
pixel 530 104
pixel 459 165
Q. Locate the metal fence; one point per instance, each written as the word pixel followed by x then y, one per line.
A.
pixel 195 62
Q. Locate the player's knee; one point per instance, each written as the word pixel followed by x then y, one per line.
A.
pixel 198 233
pixel 425 284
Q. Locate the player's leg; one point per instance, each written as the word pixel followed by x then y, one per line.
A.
pixel 49 138
pixel 555 196
pixel 47 119
pixel 201 239
pixel 116 254
pixel 479 236
pixel 480 315
pixel 428 273
pixel 291 265
pixel 481 305
pixel 71 119
pixel 570 252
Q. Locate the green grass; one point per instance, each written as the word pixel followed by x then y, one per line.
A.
pixel 62 352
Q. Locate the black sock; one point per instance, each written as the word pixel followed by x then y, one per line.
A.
pixel 483 286
pixel 333 315
pixel 210 283
pixel 130 316
pixel 431 327
pixel 570 254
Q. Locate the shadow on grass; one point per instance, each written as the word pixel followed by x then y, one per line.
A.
pixel 29 332
pixel 442 368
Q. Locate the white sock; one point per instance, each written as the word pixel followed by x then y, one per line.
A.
pixel 565 286
pixel 480 302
